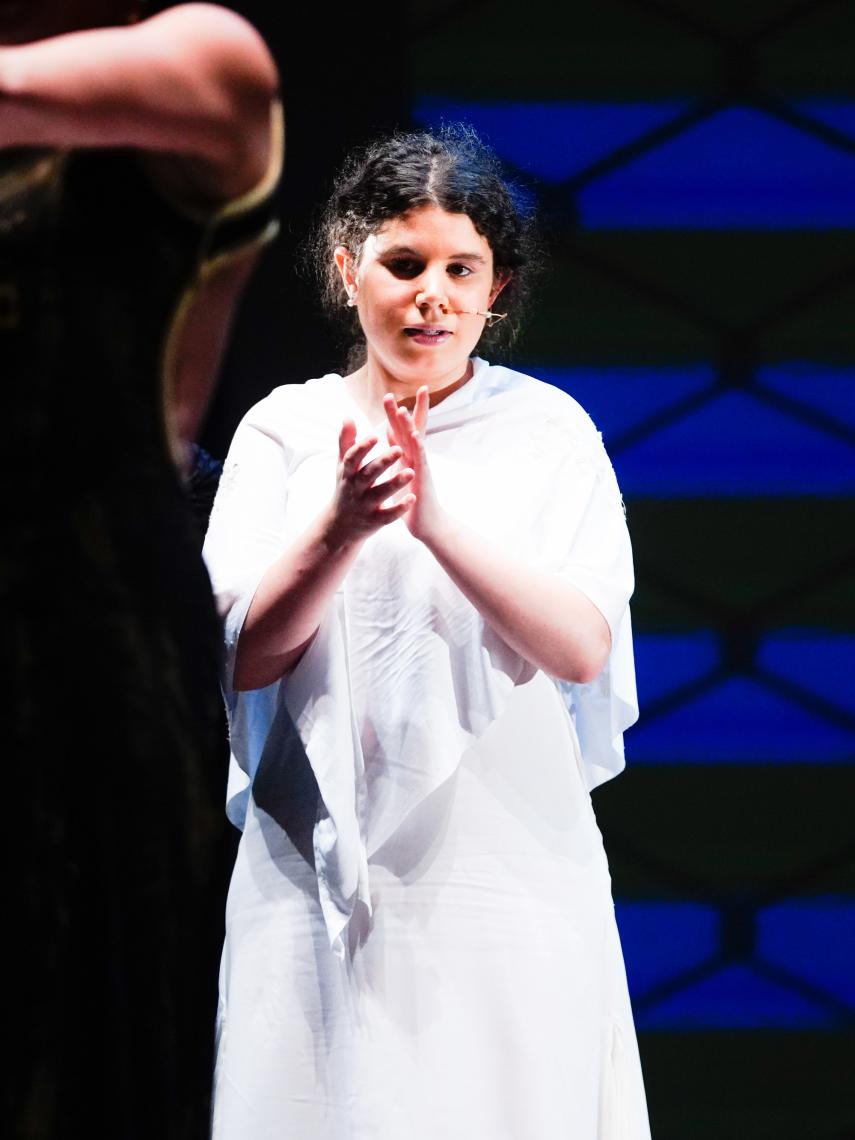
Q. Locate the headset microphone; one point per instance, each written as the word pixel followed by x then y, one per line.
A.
pixel 492 318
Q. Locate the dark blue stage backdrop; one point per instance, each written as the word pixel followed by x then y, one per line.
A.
pixel 696 170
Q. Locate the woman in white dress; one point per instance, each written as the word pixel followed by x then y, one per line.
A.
pixel 424 569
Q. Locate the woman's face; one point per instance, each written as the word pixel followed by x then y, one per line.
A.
pixel 419 280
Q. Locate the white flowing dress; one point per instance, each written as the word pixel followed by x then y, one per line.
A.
pixel 420 935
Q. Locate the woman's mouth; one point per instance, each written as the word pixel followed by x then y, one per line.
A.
pixel 428 335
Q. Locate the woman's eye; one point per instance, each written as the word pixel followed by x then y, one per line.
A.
pixel 459 270
pixel 404 267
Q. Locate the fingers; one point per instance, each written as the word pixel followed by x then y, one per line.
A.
pixel 403 426
pixel 391 409
pixel 409 435
pixel 373 470
pixel 346 438
pixel 421 409
pixel 391 514
pixel 385 490
pixel 369 502
pixel 354 455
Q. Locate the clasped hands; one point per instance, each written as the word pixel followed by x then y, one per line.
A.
pixel 362 499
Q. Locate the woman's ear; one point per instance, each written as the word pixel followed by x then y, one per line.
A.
pixel 500 280
pixel 347 269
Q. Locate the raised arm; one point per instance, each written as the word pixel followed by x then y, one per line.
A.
pixel 293 595
pixel 193 91
pixel 196 81
pixel 546 619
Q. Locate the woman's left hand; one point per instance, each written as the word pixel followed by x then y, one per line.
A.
pixel 406 429
pixel 546 619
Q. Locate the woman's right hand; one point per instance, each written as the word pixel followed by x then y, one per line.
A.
pixel 358 503
pixel 297 589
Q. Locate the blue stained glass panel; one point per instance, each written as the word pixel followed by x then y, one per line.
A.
pixel 619 398
pixel 662 939
pixel 664 662
pixel 813 938
pixel 735 997
pixel 819 662
pixel 739 721
pixel 550 140
pixel 830 390
pixel 739 169
pixel 736 445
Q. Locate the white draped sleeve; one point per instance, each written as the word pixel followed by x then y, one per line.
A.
pixel 252 522
pixel 598 561
pixel 245 535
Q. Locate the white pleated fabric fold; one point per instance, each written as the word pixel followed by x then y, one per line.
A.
pixel 403 676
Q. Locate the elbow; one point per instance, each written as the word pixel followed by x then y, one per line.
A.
pixel 243 682
pixel 248 677
pixel 588 663
pixel 257 673
pixel 589 671
pixel 236 78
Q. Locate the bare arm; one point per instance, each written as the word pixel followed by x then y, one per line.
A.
pixel 195 81
pixel 297 589
pixel 191 90
pixel 547 620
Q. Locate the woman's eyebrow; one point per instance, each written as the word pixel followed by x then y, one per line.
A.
pixel 400 251
pixel 408 251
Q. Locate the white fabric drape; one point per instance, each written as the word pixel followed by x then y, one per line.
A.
pixel 430 951
pixel 403 676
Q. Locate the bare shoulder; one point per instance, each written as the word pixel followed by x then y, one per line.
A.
pixel 234 85
pixel 193 89
pixel 213 35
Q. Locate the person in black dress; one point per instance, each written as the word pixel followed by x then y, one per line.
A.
pixel 138 164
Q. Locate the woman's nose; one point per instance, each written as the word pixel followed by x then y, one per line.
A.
pixel 432 290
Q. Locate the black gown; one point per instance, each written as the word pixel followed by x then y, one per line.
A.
pixel 110 651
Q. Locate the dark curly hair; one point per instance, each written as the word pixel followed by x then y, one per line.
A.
pixel 450 168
